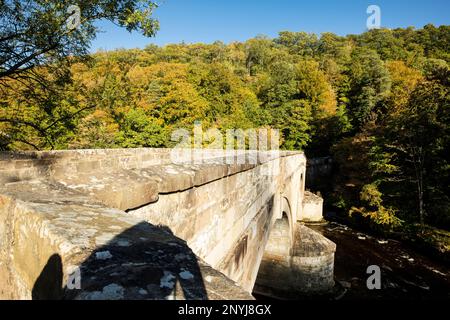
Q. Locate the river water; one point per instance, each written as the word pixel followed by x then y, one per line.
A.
pixel 405 273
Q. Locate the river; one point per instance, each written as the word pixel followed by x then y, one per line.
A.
pixel 405 273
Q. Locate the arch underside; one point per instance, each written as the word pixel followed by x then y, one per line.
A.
pixel 296 259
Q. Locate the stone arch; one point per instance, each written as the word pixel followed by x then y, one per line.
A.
pixel 281 235
pixel 286 211
pixel 278 250
pixel 279 243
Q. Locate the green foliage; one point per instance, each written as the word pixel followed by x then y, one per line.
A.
pixel 38 48
pixel 298 43
pixel 139 130
pixel 378 102
pixel 405 158
pixel 370 82
pixel 375 210
pixel 295 128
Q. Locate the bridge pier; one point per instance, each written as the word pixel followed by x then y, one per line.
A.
pixel 297 260
pixel 312 208
pixel 305 268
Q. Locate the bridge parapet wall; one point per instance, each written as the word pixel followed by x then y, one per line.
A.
pixel 61 208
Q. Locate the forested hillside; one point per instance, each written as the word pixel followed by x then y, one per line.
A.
pixel 377 102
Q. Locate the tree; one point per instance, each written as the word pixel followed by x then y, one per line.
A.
pixel 139 130
pixel 422 131
pixel 230 103
pixel 313 85
pixel 374 208
pixel 407 154
pixel 403 82
pixel 298 43
pixel 166 92
pixel 96 130
pixel 36 33
pixel 39 41
pixel 385 43
pixel 296 128
pixel 370 83
pixel 258 54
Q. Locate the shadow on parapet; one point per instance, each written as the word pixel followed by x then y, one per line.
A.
pixel 143 262
pixel 49 284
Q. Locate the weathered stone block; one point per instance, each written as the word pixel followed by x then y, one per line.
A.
pixel 312 208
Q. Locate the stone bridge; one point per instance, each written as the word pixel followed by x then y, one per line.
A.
pixel 134 224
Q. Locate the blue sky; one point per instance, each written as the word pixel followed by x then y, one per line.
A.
pixel 238 20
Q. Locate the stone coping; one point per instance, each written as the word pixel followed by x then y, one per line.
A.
pixel 119 256
pixel 310 197
pixel 310 243
pixel 128 178
pixel 82 153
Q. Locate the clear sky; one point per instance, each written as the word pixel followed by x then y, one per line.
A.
pixel 238 20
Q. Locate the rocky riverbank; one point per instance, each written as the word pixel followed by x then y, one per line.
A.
pixel 405 273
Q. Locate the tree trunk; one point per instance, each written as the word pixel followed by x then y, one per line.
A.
pixel 420 198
